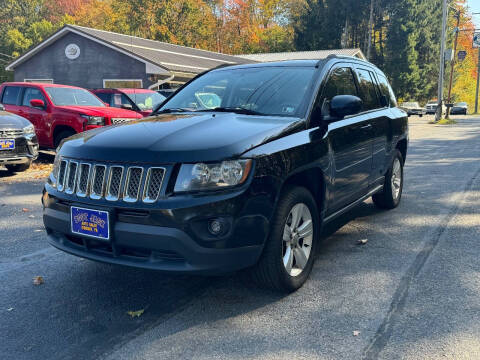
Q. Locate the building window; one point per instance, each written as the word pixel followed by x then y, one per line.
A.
pixel 122 83
pixel 43 81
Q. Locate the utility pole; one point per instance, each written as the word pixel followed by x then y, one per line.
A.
pixel 438 113
pixel 452 66
pixel 478 82
pixel 370 28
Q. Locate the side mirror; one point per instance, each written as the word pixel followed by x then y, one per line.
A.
pixel 37 103
pixel 127 106
pixel 344 105
pixel 106 104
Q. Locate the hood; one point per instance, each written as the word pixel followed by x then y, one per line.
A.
pixel 12 121
pixel 170 138
pixel 101 111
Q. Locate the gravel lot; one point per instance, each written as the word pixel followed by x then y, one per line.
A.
pixel 411 292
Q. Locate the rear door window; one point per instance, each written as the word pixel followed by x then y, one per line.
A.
pixel 105 97
pixel 367 90
pixel 11 94
pixel 31 94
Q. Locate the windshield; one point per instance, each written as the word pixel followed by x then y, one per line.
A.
pixel 267 90
pixel 62 96
pixel 146 100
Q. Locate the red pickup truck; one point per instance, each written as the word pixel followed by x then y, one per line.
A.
pixel 59 111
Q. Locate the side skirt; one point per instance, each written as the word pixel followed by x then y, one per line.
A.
pixel 353 204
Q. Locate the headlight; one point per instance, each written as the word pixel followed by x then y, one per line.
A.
pixel 200 176
pixel 94 120
pixel 28 130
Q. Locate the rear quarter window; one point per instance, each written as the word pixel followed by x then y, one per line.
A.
pixel 386 89
pixel 11 94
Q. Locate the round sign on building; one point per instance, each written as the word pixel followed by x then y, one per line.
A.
pixel 72 51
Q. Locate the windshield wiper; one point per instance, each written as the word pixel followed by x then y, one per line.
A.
pixel 171 110
pixel 236 110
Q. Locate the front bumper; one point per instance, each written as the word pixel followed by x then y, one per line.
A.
pixel 26 150
pixel 173 240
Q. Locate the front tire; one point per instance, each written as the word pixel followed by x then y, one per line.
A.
pixel 391 194
pixel 289 252
pixel 19 167
pixel 62 135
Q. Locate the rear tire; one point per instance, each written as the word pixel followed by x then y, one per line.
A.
pixel 19 167
pixel 289 252
pixel 390 196
pixel 62 135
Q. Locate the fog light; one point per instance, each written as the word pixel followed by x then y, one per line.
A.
pixel 215 227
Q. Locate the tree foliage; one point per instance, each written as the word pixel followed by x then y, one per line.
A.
pixel 405 34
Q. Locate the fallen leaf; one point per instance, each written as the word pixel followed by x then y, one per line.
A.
pixel 356 333
pixel 10 309
pixel 362 241
pixel 137 313
pixel 25 210
pixel 38 280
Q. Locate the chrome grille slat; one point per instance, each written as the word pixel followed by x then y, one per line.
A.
pixel 97 186
pixel 132 184
pixel 8 133
pixel 83 179
pixel 114 183
pixel 153 184
pixel 71 177
pixel 61 175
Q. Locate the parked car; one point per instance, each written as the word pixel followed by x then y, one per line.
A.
pixel 18 142
pixel 459 108
pixel 59 111
pixel 248 184
pixel 431 107
pixel 143 101
pixel 413 108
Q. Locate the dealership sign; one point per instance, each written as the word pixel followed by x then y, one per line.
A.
pixel 72 51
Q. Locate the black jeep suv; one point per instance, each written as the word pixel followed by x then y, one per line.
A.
pixel 18 142
pixel 238 169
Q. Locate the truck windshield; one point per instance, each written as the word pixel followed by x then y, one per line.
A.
pixel 278 91
pixel 146 100
pixel 63 96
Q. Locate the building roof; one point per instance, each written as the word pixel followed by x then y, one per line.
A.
pixel 160 57
pixel 303 55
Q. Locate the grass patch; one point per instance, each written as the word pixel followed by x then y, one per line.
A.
pixel 443 122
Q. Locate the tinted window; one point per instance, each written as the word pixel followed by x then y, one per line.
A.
pixel 146 100
pixel 63 96
pixel 30 94
pixel 367 90
pixel 340 82
pixel 266 90
pixel 104 97
pixel 386 90
pixel 10 95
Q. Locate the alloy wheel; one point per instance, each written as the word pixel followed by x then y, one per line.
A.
pixel 396 178
pixel 297 239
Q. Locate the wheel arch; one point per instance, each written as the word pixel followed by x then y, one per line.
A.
pixel 402 147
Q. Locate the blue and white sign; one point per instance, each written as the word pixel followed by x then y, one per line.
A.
pixel 476 40
pixel 87 222
pixel 7 144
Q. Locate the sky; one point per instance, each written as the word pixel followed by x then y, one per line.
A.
pixel 474 6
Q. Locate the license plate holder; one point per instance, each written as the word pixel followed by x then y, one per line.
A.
pixel 90 222
pixel 7 144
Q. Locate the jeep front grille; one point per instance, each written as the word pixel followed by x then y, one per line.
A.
pixel 111 182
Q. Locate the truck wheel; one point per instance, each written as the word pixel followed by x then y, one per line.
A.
pixel 391 194
pixel 289 251
pixel 62 135
pixel 18 167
